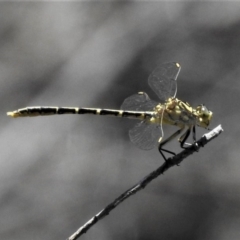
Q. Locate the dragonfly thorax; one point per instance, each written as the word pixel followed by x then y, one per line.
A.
pixel 177 111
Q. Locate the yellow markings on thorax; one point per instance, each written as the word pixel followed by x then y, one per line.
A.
pixel 177 111
pixel 186 106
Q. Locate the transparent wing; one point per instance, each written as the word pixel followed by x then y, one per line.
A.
pixel 145 136
pixel 138 102
pixel 163 80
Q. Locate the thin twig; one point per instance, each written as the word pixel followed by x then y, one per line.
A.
pixel 175 160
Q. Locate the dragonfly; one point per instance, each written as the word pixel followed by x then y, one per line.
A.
pixel 147 133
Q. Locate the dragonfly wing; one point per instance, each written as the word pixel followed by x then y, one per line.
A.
pixel 163 80
pixel 138 102
pixel 145 136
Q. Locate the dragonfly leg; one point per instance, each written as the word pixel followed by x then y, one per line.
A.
pixel 185 136
pixel 194 133
pixel 161 150
pixel 161 144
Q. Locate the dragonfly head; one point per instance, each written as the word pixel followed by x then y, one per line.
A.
pixel 204 116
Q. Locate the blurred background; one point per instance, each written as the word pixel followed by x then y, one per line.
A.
pixel 58 171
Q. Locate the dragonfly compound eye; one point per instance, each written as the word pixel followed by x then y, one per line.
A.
pixel 204 116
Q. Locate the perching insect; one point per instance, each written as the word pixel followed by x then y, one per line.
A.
pixel 149 132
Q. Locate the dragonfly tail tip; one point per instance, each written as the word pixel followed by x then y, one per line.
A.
pixel 12 114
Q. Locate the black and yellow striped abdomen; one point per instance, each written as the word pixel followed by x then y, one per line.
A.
pixel 44 111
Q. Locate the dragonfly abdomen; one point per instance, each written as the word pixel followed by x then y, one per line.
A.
pixel 44 111
pixel 41 111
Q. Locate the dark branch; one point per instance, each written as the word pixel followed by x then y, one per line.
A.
pixel 175 160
